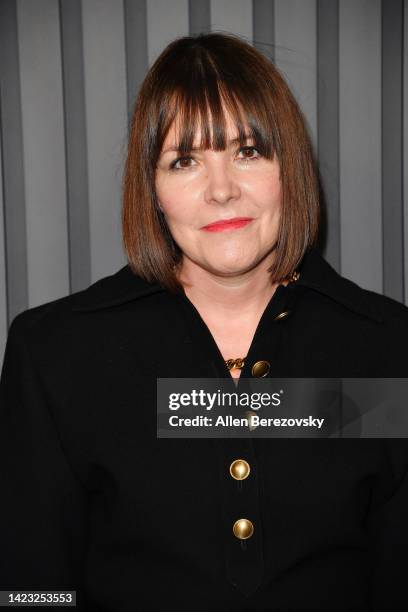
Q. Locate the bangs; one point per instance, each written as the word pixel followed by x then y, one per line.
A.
pixel 200 98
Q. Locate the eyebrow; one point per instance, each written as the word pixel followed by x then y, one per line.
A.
pixel 230 142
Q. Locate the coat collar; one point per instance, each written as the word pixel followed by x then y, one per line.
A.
pixel 315 273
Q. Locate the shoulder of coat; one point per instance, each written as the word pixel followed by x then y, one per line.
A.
pixel 319 275
pixel 388 308
pixel 108 291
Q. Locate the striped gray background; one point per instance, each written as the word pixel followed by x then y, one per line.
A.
pixel 70 70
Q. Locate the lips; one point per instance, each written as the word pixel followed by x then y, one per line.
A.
pixel 227 224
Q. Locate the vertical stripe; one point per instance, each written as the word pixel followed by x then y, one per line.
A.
pixel 3 275
pixel 328 125
pixel 360 141
pixel 135 14
pixel 234 16
pixel 44 155
pixel 263 12
pixel 392 206
pixel 14 219
pixel 199 16
pixel 106 123
pixel 405 145
pixel 165 22
pixel 295 54
pixel 75 145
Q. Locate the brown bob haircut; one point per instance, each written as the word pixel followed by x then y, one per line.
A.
pixel 191 80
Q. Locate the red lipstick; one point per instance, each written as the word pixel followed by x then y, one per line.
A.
pixel 227 224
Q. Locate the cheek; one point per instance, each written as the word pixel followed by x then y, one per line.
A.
pixel 266 191
pixel 179 201
pixel 166 195
pixel 176 206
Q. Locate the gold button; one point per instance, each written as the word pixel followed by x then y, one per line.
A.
pixel 239 469
pixel 249 414
pixel 243 529
pixel 281 315
pixel 261 368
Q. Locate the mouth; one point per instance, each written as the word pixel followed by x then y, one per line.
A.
pixel 227 224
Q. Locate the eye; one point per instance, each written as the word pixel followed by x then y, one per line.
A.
pixel 249 149
pixel 181 163
pixel 173 165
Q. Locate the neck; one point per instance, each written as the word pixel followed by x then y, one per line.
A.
pixel 243 293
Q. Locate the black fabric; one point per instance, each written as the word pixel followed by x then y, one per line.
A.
pixel 92 501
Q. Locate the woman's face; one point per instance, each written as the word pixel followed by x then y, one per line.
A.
pixel 210 186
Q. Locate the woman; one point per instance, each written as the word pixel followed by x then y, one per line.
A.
pixel 220 223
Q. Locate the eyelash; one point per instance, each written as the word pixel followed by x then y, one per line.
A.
pixel 247 148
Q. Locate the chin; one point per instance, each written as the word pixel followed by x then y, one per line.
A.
pixel 230 269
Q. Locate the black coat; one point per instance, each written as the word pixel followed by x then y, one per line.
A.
pixel 92 501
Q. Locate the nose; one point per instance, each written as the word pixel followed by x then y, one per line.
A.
pixel 221 185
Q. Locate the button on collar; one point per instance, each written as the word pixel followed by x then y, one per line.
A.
pixel 282 315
